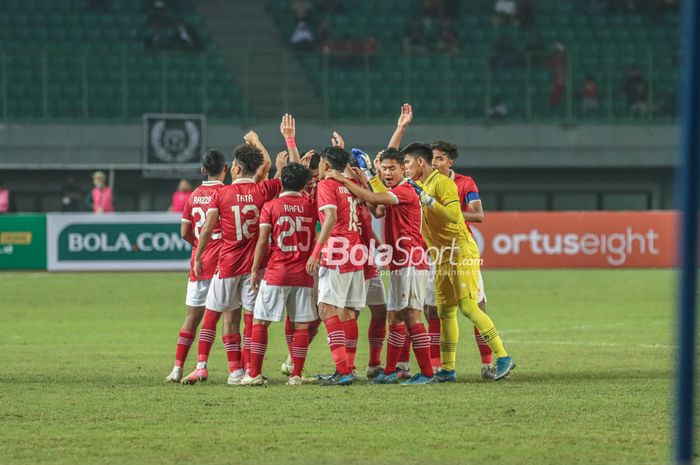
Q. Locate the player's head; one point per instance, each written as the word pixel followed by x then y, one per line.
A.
pixel 313 167
pixel 391 165
pixel 214 164
pixel 444 155
pixel 333 158
pixel 247 159
pixel 295 177
pixel 418 158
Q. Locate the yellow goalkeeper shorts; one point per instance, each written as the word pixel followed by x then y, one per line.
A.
pixel 457 279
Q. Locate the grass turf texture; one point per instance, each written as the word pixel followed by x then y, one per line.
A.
pixel 84 356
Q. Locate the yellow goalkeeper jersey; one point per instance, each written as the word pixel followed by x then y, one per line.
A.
pixel 442 233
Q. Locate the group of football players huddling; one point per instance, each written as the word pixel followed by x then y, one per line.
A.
pixel 303 242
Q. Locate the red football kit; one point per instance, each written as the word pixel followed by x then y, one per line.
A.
pixel 195 213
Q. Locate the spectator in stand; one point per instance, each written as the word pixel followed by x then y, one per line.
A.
pixel 414 39
pixel 505 12
pixel 180 196
pixel 526 12
pixel 557 65
pixel 590 95
pixel 101 198
pixel 637 91
pixel 503 53
pixel 302 9
pixel 7 200
pixel 302 38
pixel 71 196
pixel 497 110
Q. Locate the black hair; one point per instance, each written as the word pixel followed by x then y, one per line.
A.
pixel 391 154
pixel 295 176
pixel 315 160
pixel 353 163
pixel 336 157
pixel 248 157
pixel 419 149
pixel 213 162
pixel 447 147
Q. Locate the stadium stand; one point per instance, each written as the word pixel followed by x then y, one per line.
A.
pixel 98 59
pixel 461 78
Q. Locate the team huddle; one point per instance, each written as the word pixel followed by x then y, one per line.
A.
pixel 258 253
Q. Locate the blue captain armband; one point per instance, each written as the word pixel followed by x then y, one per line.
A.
pixel 472 196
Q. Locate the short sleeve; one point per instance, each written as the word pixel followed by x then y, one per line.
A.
pixel 472 191
pixel 325 196
pixel 215 200
pixel 271 188
pixel 187 213
pixel 266 215
pixel 405 194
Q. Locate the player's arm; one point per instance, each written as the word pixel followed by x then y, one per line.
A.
pixel 378 211
pixel 379 198
pixel 260 251
pixel 445 203
pixel 280 163
pixel 186 232
pixel 205 237
pixel 288 130
pixel 329 221
pixel 252 138
pixel 405 119
pixel 475 213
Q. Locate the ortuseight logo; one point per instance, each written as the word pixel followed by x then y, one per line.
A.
pixel 125 241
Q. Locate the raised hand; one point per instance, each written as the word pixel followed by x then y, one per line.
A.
pixel 378 162
pixel 337 140
pixel 251 138
pixel 281 160
pixel 360 176
pixel 306 159
pixel 288 126
pixel 406 116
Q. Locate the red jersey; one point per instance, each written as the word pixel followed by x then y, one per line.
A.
pixel 239 208
pixel 467 190
pixel 370 269
pixel 195 212
pixel 346 232
pixel 292 218
pixel 402 222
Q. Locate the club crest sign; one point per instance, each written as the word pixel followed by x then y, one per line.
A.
pixel 173 139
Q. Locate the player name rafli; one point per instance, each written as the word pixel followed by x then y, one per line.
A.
pixel 294 208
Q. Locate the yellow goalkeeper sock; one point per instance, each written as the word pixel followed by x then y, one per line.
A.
pixel 483 323
pixel 449 336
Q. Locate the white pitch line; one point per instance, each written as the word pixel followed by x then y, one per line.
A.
pixel 593 344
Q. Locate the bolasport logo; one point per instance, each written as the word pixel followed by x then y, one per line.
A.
pixel 615 247
pixel 123 241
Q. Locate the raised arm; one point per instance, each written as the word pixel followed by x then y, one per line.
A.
pixel 405 119
pixel 280 163
pixel 378 198
pixel 252 138
pixel 288 130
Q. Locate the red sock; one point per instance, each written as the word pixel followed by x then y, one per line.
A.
pixel 351 334
pixel 184 341
pixel 336 342
pixel 258 347
pixel 313 329
pixel 301 346
pixel 405 356
pixel 247 334
pixel 434 332
pixel 394 346
pixel 421 348
pixel 207 334
pixel 484 348
pixel 232 344
pixel 376 334
pixel 289 334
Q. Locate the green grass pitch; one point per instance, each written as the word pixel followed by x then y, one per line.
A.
pixel 84 355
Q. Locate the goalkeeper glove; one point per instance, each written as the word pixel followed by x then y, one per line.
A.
pixel 364 162
pixel 425 198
